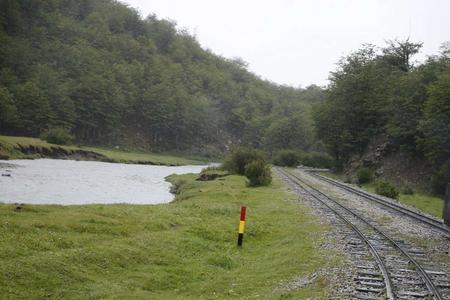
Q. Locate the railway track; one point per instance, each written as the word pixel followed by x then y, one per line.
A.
pixel 436 224
pixel 386 268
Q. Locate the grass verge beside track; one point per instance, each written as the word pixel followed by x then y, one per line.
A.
pixel 429 204
pixel 182 250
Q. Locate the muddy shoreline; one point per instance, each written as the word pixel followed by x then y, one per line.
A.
pixel 58 152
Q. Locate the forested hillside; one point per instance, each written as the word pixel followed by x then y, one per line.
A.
pixel 99 71
pixel 378 96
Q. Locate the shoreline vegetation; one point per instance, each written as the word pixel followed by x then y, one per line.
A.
pixel 182 250
pixel 13 147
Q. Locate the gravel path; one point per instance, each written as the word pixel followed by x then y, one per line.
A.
pixel 434 244
pixel 339 276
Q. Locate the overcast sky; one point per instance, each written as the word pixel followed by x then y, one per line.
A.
pixel 298 42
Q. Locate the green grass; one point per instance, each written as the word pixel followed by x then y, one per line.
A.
pixel 9 146
pixel 432 205
pixel 426 203
pixel 336 176
pixel 182 250
pixel 133 157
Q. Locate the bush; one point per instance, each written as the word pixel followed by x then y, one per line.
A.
pixel 348 179
pixel 239 158
pixel 439 180
pixel 258 173
pixel 211 173
pixel 58 135
pixel 251 163
pixel 316 160
pixel 286 158
pixel 386 189
pixel 177 186
pixel 407 190
pixel 211 168
pixel 364 175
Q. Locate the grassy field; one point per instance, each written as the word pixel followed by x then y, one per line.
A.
pixel 429 204
pixel 9 147
pixel 183 250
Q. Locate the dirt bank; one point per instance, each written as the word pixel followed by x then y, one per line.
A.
pixel 31 152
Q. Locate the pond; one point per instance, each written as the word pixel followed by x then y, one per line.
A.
pixel 69 182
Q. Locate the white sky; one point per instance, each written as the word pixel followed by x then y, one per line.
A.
pixel 298 42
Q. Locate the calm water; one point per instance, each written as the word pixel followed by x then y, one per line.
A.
pixel 51 181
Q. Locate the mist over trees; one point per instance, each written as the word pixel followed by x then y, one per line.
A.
pixel 96 69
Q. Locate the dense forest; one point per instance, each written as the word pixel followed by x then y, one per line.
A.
pixel 98 70
pixel 380 93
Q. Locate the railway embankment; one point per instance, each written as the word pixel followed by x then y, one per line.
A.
pixel 396 252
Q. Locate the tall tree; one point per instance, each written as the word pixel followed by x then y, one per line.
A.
pixel 399 53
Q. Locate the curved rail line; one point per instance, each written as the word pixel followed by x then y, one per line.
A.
pixel 398 208
pixel 373 251
pixel 388 282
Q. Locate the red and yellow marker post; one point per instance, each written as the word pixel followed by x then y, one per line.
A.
pixel 241 226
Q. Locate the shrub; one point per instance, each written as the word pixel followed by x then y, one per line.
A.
pixel 364 175
pixel 211 173
pixel 439 180
pixel 407 190
pixel 286 158
pixel 384 188
pixel 239 158
pixel 316 160
pixel 211 168
pixel 177 186
pixel 348 179
pixel 57 135
pixel 258 173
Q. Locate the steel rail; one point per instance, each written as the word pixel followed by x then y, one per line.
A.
pixel 422 273
pixel 406 211
pixel 373 251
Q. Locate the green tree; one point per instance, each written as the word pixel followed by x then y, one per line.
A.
pixel 97 69
pixel 8 110
pixel 407 95
pixel 435 126
pixel 399 53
